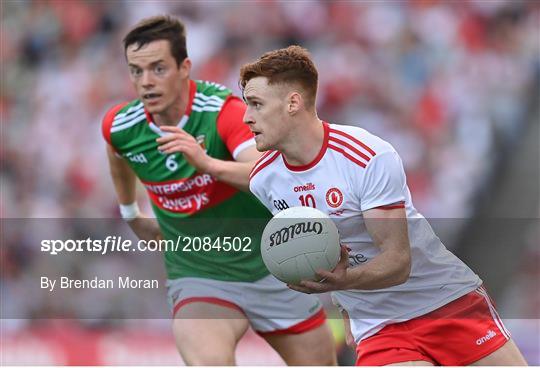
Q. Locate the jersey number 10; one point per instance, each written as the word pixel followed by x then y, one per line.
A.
pixel 307 200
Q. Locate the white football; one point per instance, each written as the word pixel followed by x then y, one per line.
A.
pixel 299 241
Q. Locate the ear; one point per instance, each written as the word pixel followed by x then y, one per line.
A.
pixel 185 68
pixel 294 102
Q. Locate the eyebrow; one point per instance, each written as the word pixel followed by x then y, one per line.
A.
pixel 251 98
pixel 154 63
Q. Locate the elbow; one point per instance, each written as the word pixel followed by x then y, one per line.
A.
pixel 403 271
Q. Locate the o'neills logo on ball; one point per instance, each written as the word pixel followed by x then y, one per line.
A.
pixel 285 234
pixel 334 197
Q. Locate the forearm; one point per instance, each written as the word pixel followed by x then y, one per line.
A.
pixel 145 227
pixel 387 269
pixel 233 173
pixel 124 184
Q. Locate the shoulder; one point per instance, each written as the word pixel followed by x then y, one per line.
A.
pixel 356 144
pixel 119 115
pixel 210 96
pixel 263 163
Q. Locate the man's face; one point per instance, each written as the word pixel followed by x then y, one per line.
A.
pixel 266 112
pixel 155 75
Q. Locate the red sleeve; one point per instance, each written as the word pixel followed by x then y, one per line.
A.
pixel 230 124
pixel 107 121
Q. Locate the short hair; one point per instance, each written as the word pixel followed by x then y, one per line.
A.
pixel 161 27
pixel 289 65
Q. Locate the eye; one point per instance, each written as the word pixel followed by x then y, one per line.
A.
pixel 160 69
pixel 256 105
pixel 135 72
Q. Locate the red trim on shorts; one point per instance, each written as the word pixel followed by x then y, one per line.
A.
pixel 207 299
pixel 317 158
pixel 309 324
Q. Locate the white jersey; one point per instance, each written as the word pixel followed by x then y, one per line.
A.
pixel 356 171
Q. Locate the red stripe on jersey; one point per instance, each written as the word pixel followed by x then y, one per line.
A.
pixel 343 143
pixel 342 151
pixel 392 206
pixel 261 159
pixel 355 140
pixel 264 164
pixel 107 121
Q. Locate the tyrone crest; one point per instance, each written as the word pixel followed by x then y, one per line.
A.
pixel 334 197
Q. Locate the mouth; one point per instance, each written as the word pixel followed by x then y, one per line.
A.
pixel 151 97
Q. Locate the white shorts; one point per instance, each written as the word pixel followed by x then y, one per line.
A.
pixel 269 305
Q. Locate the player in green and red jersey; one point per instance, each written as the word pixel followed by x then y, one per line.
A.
pixel 186 142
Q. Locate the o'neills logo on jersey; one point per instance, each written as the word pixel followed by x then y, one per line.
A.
pixel 334 197
pixel 290 232
pixel 304 188
pixel 188 195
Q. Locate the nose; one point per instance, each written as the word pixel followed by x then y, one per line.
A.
pixel 147 80
pixel 248 119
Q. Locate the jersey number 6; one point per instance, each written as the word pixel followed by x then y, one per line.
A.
pixel 171 164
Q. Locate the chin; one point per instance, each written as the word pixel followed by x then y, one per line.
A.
pixel 152 109
pixel 261 146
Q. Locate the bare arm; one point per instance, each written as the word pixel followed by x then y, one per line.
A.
pixel 235 173
pixel 388 229
pixel 124 181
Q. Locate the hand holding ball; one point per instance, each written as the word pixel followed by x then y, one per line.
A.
pixel 299 241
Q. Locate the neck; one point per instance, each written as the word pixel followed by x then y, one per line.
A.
pixel 304 142
pixel 174 113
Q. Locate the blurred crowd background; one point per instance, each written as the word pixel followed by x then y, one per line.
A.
pixel 453 85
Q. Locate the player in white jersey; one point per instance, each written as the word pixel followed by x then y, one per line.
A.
pixel 410 300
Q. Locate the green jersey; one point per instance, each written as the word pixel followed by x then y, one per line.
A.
pixel 205 219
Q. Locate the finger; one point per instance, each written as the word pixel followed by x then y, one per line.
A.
pixel 171 129
pixel 171 137
pixel 349 339
pixel 186 141
pixel 168 138
pixel 299 288
pixel 344 257
pixel 325 275
pixel 315 287
pixel 168 146
pixel 177 148
pixel 345 246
